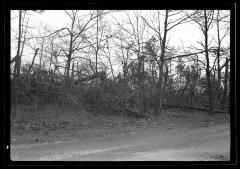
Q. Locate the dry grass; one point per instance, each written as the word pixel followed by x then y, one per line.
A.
pixel 48 124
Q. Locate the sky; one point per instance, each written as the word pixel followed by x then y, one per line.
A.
pixel 186 34
pixel 57 19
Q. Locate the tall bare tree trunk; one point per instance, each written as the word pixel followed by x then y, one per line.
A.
pixel 18 61
pixel 208 71
pixel 16 74
pixel 66 84
pixel 164 86
pixel 97 45
pixel 72 73
pixel 159 98
pixel 69 57
pixel 218 59
pixel 224 97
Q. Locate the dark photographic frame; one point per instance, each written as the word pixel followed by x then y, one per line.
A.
pixel 231 5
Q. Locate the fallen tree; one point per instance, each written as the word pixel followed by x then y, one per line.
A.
pixel 194 108
pixel 101 75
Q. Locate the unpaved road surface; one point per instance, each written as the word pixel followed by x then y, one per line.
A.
pixel 200 144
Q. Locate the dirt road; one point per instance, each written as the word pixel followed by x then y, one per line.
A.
pixel 206 143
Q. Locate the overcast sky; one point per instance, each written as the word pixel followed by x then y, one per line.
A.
pixel 186 34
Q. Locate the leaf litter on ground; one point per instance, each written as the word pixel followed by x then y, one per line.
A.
pixel 51 125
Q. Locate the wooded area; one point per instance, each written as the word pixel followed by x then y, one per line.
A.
pixel 125 67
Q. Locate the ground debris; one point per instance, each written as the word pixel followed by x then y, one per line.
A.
pixel 71 125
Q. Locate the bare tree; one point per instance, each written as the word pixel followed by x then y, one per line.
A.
pixel 204 19
pixel 88 48
pixel 170 21
pixel 17 59
pixel 220 51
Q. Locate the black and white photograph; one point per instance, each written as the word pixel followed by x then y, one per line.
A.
pixel 120 85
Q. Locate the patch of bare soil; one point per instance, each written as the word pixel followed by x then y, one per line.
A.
pixel 49 125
